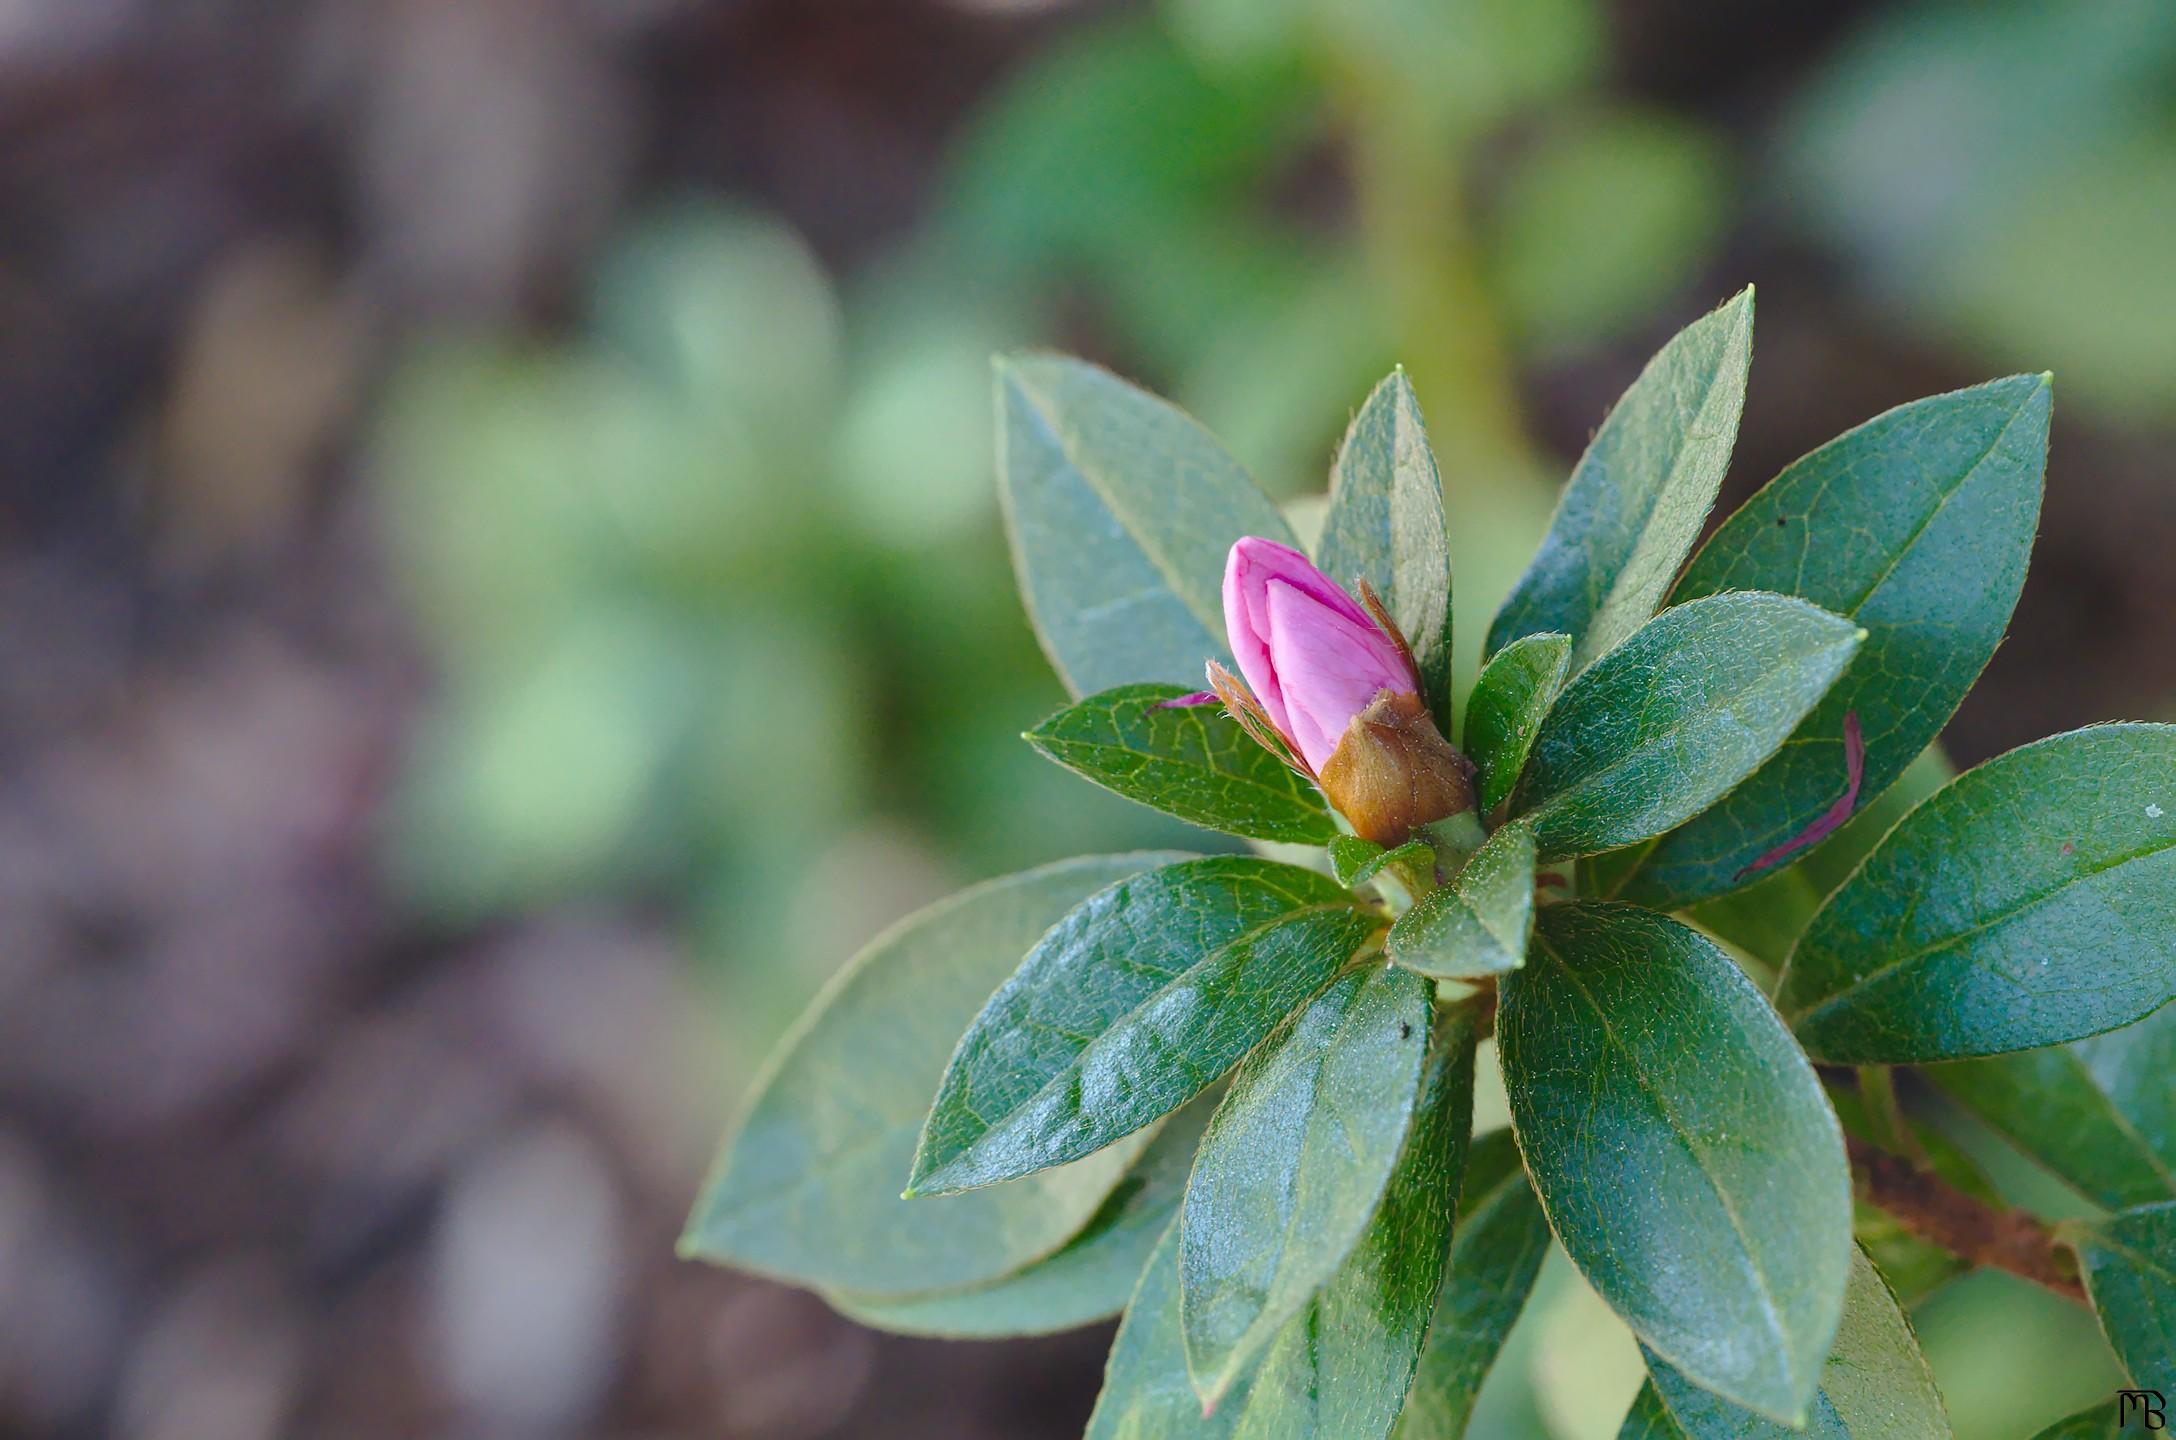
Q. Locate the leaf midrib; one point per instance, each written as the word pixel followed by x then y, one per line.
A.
pixel 1950 942
pixel 1684 1138
pixel 1003 1126
pixel 1655 741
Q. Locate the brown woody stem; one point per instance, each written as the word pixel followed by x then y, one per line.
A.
pixel 1984 1234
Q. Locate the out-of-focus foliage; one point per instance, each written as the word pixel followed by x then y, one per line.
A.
pixel 2004 176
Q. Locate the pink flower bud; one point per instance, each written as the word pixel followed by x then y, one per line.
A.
pixel 1313 657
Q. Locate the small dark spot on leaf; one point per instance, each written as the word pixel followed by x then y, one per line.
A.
pixel 1782 520
pixel 1405 1029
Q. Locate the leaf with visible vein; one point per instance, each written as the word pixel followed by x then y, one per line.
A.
pixel 1120 509
pixel 2099 1112
pixel 1496 1251
pixel 1385 526
pixel 1916 526
pixel 1294 1165
pixel 2029 903
pixel 2129 1260
pixel 1088 1280
pixel 808 1187
pixel 1661 727
pixel 1341 1368
pixel 1132 1005
pixel 1636 502
pixel 1874 1386
pixel 1504 712
pixel 1683 1148
pixel 1477 924
pixel 1192 761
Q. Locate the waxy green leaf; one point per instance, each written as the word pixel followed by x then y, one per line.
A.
pixel 1503 714
pixel 1661 727
pixel 2099 1112
pixel 1496 1251
pixel 1637 500
pixel 1875 1385
pixel 1356 861
pixel 1340 1369
pixel 1121 510
pixel 1295 1163
pixel 1765 919
pixel 1385 526
pixel 1192 761
pixel 1684 1150
pixel 1132 1005
pixel 1478 924
pixel 2030 903
pixel 2129 1260
pixel 1916 526
pixel 1090 1279
pixel 808 1188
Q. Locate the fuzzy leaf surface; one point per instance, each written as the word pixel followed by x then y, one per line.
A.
pixel 1478 924
pixel 1121 510
pixel 1917 527
pixel 1661 727
pixel 2031 902
pixel 1503 715
pixel 1133 1004
pixel 1385 526
pixel 1192 761
pixel 1340 1369
pixel 1639 495
pixel 808 1187
pixel 1498 1247
pixel 1874 1386
pixel 1295 1163
pixel 1683 1148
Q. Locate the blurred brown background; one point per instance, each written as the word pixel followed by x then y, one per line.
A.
pixel 500 589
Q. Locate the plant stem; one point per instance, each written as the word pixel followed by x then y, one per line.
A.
pixel 2000 1239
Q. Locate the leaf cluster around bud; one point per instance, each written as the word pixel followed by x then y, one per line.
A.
pixel 1230 1096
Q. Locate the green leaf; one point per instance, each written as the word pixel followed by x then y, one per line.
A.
pixel 1385 526
pixel 1121 510
pixel 1914 1267
pixel 1478 924
pixel 1683 1148
pixel 1294 1165
pixel 1503 713
pixel 808 1188
pixel 1340 1369
pixel 1356 861
pixel 1766 918
pixel 1917 526
pixel 1495 1253
pixel 1192 761
pixel 1131 1006
pixel 1637 500
pixel 1875 1385
pixel 1661 727
pixel 2031 902
pixel 2099 1112
pixel 2098 1423
pixel 2129 1260
pixel 1088 1280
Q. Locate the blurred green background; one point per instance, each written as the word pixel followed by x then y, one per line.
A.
pixel 501 589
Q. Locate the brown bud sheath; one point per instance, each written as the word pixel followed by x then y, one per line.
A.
pixel 1393 772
